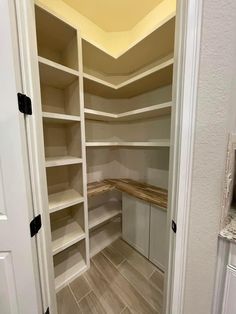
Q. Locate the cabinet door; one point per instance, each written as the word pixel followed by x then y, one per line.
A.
pixel 158 248
pixel 229 302
pixel 135 223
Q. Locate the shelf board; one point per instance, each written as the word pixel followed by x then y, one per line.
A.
pixel 65 232
pixel 152 77
pixel 62 161
pixel 54 74
pixel 142 113
pixel 60 200
pixel 103 213
pixel 68 265
pixel 95 188
pixel 58 117
pixel 159 143
pixel 104 236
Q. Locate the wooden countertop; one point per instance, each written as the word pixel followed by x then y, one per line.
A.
pixel 143 191
pixel 99 187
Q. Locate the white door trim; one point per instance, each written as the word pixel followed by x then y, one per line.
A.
pixel 30 79
pixel 185 84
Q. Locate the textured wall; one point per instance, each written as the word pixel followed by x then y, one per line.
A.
pixel 215 115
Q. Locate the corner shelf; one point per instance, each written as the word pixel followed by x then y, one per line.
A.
pixel 65 232
pixel 160 143
pixel 62 161
pixel 54 74
pixel 154 76
pixel 60 200
pixel 103 213
pixel 59 118
pixel 143 113
pixel 104 236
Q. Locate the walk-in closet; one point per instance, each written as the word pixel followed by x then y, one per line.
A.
pixel 106 129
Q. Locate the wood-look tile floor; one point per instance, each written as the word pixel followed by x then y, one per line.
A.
pixel 120 280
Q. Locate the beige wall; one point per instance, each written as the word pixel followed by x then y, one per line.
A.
pixel 216 112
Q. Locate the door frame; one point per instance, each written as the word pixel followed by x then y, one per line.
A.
pixel 34 129
pixel 185 85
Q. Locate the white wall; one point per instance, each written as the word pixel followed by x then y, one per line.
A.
pixel 216 112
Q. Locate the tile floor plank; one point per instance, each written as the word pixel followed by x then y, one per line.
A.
pixel 113 255
pixel 124 289
pixel 80 287
pixel 91 305
pixel 139 262
pixel 105 293
pixel 66 303
pixel 142 285
pixel 157 279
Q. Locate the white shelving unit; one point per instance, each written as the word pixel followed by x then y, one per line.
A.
pixel 61 85
pixel 128 105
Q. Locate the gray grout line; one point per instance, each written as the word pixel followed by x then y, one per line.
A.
pixel 124 309
pixel 111 260
pixel 151 274
pixel 74 297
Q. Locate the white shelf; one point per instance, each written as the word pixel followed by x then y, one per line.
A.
pixel 54 74
pixel 160 143
pixel 68 265
pixel 100 214
pixel 143 113
pixel 65 232
pixel 104 236
pixel 58 117
pixel 62 161
pixel 60 200
pixel 152 77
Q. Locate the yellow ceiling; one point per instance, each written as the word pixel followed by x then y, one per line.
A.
pixel 117 43
pixel 114 15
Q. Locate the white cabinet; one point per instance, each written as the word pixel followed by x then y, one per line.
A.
pixel 158 245
pixel 144 228
pixel 135 223
pixel 229 302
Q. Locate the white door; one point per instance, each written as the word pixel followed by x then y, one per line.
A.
pixel 135 223
pixel 19 286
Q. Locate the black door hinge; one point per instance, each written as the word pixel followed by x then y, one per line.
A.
pixel 47 311
pixel 174 226
pixel 24 104
pixel 35 225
